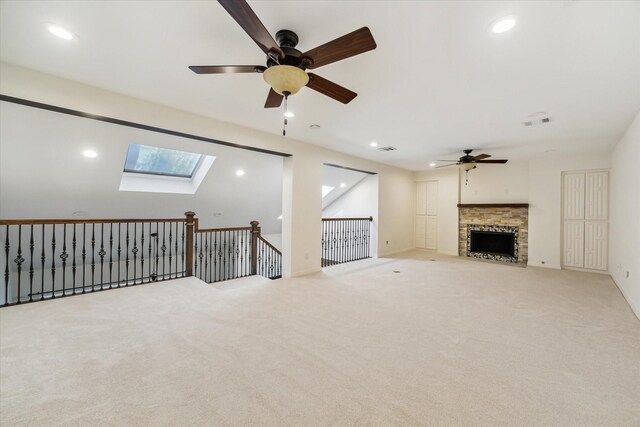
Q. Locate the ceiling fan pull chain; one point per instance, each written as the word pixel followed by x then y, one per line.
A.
pixel 284 127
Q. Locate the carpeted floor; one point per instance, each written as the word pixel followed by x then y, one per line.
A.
pixel 401 341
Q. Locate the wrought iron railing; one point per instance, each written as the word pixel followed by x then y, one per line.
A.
pixel 269 260
pixel 345 240
pixel 47 259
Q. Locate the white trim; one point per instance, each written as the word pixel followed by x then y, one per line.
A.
pixel 634 310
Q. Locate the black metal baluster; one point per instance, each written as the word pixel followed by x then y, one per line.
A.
pixel 151 238
pixel 170 240
pixel 110 255
pixel 84 256
pixel 102 253
pixel 93 256
pixel 19 260
pixel 63 256
pixel 157 242
pixel 126 256
pixel 142 252
pixel 195 258
pixel 134 250
pixel 164 248
pixel 206 257
pixel 211 278
pixel 31 271
pixel 183 249
pixel 74 266
pixel 7 246
pixel 176 251
pixel 43 257
pixel 53 262
pixel 119 249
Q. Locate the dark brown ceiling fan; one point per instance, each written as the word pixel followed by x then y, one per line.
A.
pixel 285 65
pixel 469 162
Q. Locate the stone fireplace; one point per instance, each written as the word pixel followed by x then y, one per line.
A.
pixel 497 232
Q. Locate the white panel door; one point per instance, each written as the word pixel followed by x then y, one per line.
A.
pixel 432 198
pixel 573 243
pixel 421 231
pixel 596 196
pixel 595 245
pixel 432 232
pixel 421 198
pixel 573 194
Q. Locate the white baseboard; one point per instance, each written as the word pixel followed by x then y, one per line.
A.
pixel 305 272
pixel 537 264
pixel 635 310
pixel 395 252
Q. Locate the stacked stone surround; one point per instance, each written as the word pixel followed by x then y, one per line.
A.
pixel 510 216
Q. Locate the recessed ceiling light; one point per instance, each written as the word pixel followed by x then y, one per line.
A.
pixel 343 185
pixel 432 164
pixel 374 144
pixel 60 32
pixel 90 154
pixel 280 217
pixel 503 25
pixel 239 172
pixel 289 114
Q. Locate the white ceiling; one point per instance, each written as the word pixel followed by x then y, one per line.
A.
pixel 335 177
pixel 438 82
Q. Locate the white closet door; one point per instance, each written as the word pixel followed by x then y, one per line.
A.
pixel 596 196
pixel 432 198
pixel 573 196
pixel 421 198
pixel 432 232
pixel 421 231
pixel 595 245
pixel 573 243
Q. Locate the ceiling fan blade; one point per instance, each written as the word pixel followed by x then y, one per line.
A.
pixel 249 21
pixel 448 160
pixel 226 69
pixel 490 161
pixel 330 89
pixel 481 156
pixel 445 166
pixel 344 47
pixel 274 99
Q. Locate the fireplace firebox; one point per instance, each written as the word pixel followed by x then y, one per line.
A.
pixel 494 242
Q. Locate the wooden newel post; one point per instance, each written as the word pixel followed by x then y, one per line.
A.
pixel 189 242
pixel 255 233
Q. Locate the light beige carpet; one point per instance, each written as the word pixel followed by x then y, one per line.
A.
pixel 450 342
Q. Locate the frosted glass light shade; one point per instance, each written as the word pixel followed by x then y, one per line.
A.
pixel 285 78
pixel 468 166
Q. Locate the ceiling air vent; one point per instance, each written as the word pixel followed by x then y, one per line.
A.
pixel 389 148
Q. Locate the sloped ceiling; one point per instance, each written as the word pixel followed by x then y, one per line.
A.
pixel 438 82
pixel 43 174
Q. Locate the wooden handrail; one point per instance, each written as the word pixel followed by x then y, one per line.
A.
pixel 270 245
pixel 210 230
pixel 348 219
pixel 82 221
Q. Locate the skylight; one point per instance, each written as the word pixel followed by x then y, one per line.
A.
pixel 161 161
pixel 326 190
pixel 162 170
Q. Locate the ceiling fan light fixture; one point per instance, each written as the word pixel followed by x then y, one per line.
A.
pixel 285 79
pixel 468 166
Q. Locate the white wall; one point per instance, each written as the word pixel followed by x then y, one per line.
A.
pixel 496 183
pixel 302 174
pixel 624 248
pixel 448 199
pixel 43 174
pixel 361 201
pixel 545 203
